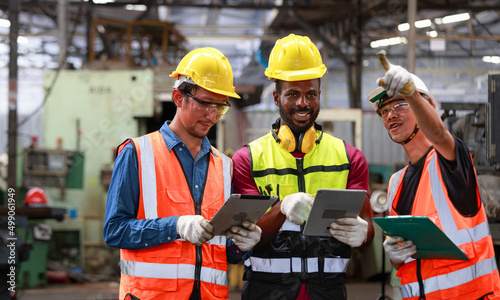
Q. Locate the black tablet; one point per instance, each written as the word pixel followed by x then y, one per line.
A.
pixel 239 208
pixel 329 205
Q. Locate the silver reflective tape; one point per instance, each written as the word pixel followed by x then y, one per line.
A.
pixel 219 240
pixel 268 265
pixel 159 271
pixel 172 271
pixel 442 207
pixel 214 276
pixel 452 279
pixel 296 264
pixel 283 265
pixel 336 265
pixel 290 226
pixel 312 265
pixel 227 169
pixel 148 177
pixel 393 184
pixel 474 234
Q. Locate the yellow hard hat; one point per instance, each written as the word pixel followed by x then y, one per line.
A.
pixel 209 69
pixel 295 58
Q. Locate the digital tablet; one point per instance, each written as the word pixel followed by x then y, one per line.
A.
pixel 239 208
pixel 330 205
pixel 430 240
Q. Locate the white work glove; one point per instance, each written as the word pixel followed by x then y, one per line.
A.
pixel 397 80
pixel 350 231
pixel 194 229
pixel 296 207
pixel 245 236
pixel 398 249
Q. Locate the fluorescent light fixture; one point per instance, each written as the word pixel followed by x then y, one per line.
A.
pixel 404 27
pixel 423 23
pixel 388 42
pixel 22 40
pixel 4 23
pixel 136 7
pixel 418 24
pixel 103 1
pixel 492 59
pixel 452 18
pixel 432 33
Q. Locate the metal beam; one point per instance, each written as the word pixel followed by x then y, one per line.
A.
pixel 14 8
pixel 412 16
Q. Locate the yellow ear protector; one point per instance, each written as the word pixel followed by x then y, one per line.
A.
pixel 304 142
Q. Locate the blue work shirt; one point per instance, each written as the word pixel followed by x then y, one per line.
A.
pixel 121 227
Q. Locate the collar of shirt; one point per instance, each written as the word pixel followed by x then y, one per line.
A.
pixel 172 140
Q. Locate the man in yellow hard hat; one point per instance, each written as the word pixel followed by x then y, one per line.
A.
pixel 439 183
pixel 293 161
pixel 167 184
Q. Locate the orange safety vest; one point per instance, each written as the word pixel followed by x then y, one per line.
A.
pixel 170 270
pixel 447 278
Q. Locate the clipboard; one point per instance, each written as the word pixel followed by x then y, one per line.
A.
pixel 431 241
pixel 330 205
pixel 239 208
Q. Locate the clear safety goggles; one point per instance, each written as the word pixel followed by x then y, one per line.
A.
pixel 208 108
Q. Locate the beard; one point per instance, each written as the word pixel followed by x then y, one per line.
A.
pixel 198 133
pixel 286 117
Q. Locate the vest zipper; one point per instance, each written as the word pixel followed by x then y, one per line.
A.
pixel 300 175
pixel 302 188
pixel 420 281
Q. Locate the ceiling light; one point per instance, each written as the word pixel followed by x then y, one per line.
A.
pixel 103 1
pixel 137 7
pixel 4 23
pixel 432 33
pixel 452 18
pixel 492 59
pixel 22 40
pixel 404 27
pixel 388 42
pixel 418 24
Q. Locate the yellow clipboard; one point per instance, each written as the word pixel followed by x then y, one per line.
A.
pixel 431 241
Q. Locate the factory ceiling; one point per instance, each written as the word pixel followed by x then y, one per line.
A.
pixel 245 31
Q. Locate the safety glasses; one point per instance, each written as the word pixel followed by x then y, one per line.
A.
pixel 399 108
pixel 208 108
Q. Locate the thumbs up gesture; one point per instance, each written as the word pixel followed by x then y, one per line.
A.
pixel 397 80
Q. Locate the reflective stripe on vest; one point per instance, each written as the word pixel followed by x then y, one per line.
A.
pixel 476 236
pixel 172 271
pixel 290 226
pixel 282 265
pixel 148 181
pixel 451 279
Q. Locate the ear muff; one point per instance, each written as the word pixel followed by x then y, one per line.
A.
pixel 286 138
pixel 305 141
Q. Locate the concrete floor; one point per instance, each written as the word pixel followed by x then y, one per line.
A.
pixel 357 290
